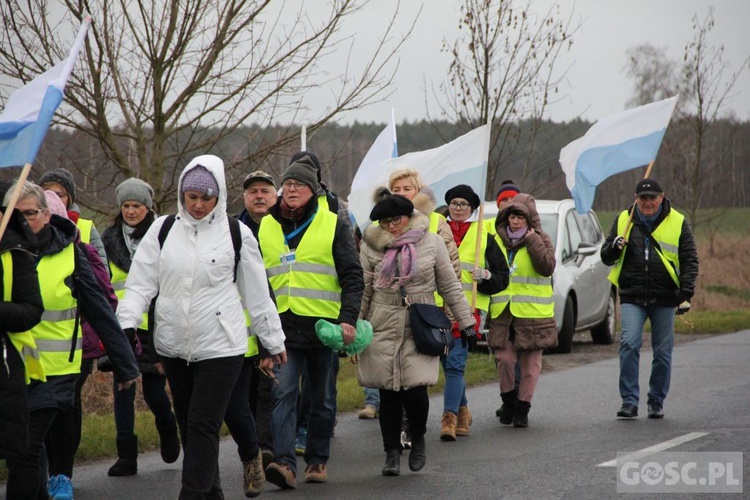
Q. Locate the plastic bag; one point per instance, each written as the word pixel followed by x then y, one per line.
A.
pixel 331 336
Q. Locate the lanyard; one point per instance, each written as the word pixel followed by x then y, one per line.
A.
pixel 288 237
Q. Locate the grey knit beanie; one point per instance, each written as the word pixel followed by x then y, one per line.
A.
pixel 200 179
pixel 303 171
pixel 135 190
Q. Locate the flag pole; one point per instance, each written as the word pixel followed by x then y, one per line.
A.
pixel 630 218
pixel 477 254
pixel 303 138
pixel 14 198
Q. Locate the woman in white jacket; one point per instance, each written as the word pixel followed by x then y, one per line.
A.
pixel 200 325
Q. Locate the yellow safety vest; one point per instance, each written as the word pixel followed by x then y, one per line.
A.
pixel 84 227
pixel 529 293
pixel 308 285
pixel 435 219
pixel 489 225
pixel 252 340
pixel 667 235
pixel 54 333
pixel 118 277
pixel 24 341
pixel 467 254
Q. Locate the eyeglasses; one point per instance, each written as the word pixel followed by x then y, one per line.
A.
pixel 293 184
pixel 459 206
pixel 391 221
pixel 31 214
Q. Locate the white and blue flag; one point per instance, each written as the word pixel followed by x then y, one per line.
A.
pixel 614 144
pixel 29 110
pixel 461 161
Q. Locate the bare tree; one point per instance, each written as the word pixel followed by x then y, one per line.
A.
pixel 704 81
pixel 502 71
pixel 162 81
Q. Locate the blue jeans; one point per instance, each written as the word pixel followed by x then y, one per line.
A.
pixel 633 318
pixel 372 397
pixel 454 365
pixel 322 376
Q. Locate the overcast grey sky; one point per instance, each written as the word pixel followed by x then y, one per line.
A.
pixel 596 84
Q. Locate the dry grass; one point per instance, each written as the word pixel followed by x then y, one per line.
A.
pixel 724 275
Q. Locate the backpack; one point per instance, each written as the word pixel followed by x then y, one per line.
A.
pixel 234 230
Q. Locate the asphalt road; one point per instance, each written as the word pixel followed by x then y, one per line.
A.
pixel 573 430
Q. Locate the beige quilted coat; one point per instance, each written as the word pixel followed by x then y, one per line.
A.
pixel 392 361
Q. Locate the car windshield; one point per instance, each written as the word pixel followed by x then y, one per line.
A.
pixel 549 224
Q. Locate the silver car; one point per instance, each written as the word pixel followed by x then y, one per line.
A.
pixel 584 298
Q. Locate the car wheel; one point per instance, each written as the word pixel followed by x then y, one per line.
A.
pixel 565 335
pixel 604 333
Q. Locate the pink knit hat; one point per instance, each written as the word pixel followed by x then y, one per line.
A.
pixel 55 204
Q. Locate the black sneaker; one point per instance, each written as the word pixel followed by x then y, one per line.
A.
pixel 655 410
pixel 628 410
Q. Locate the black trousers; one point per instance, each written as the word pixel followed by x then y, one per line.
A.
pixel 261 405
pixel 201 392
pixel 27 478
pixel 415 401
pixel 238 417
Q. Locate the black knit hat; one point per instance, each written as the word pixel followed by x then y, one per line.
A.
pixel 392 206
pixel 62 177
pixel 465 192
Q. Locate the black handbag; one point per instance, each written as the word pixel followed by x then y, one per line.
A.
pixel 430 328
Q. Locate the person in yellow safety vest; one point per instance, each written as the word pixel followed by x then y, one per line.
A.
pixel 69 292
pixel 121 240
pixel 314 270
pixel 20 309
pixel 254 387
pixel 522 322
pixel 61 182
pixel 490 273
pixel 655 265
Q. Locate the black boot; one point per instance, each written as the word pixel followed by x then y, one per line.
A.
pixel 521 415
pixel 169 441
pixel 418 454
pixel 509 407
pixel 127 457
pixel 392 465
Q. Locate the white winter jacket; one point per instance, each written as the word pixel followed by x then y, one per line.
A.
pixel 199 310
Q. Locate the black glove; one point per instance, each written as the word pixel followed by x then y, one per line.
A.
pixel 618 243
pixel 683 308
pixel 135 344
pixel 468 332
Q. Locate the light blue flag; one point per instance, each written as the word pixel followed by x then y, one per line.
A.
pixel 614 144
pixel 29 111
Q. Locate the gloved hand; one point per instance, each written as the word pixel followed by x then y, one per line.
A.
pixel 135 342
pixel 468 332
pixel 480 274
pixel 683 308
pixel 618 243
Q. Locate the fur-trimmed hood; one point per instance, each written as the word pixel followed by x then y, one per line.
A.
pixel 424 201
pixel 380 239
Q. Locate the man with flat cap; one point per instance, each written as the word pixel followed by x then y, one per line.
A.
pixel 655 265
pixel 259 196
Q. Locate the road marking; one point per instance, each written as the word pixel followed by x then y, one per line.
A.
pixel 658 447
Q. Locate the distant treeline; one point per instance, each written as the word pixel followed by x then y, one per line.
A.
pixel 721 179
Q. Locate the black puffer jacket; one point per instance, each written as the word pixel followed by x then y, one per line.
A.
pixel 648 282
pixel 21 314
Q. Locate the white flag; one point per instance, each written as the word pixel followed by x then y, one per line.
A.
pixel 461 161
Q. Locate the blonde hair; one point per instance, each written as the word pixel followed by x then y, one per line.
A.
pixel 405 173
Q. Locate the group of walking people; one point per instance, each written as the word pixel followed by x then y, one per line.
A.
pixel 223 310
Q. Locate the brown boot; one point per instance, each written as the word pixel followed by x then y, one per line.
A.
pixel 448 426
pixel 464 421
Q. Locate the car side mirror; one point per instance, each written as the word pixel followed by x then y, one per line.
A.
pixel 586 249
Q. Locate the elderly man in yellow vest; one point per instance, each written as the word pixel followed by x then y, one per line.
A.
pixel 655 267
pixel 313 267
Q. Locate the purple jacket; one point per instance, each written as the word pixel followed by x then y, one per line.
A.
pixel 92 347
